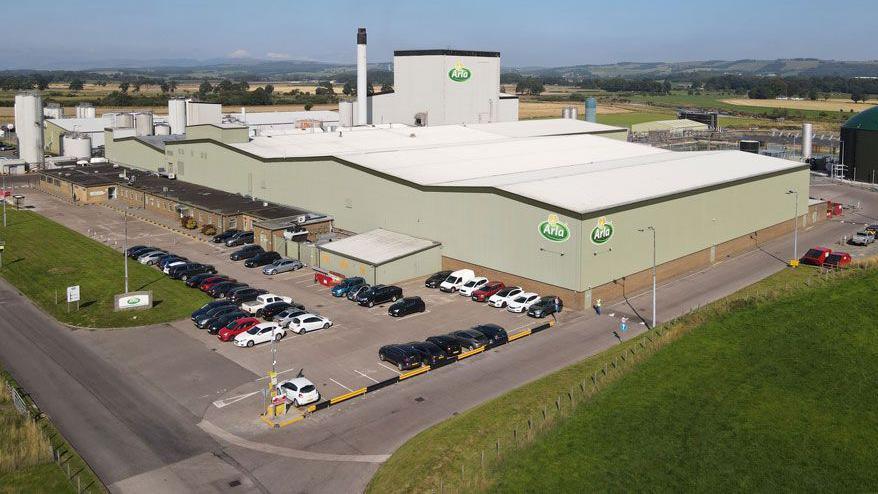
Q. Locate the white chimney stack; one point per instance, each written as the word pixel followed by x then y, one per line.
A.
pixel 362 92
pixel 806 140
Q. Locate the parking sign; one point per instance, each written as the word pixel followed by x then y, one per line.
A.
pixel 73 293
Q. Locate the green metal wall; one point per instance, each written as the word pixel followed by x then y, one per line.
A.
pixel 416 265
pixel 133 153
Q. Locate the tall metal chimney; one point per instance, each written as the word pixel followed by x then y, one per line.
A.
pixel 806 140
pixel 362 92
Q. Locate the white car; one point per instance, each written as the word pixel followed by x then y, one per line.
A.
pixel 255 307
pixel 456 280
pixel 152 255
pixel 298 391
pixel 286 316
pixel 503 297
pixel 170 265
pixel 308 322
pixel 472 285
pixel 261 333
pixel 522 302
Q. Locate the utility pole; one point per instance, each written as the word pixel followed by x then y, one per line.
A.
pixel 125 248
pixel 4 201
pixel 652 229
pixel 794 261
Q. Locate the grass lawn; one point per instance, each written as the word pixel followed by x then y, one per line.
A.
pixel 42 258
pixel 44 478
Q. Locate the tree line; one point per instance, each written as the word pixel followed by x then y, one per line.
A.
pixel 802 87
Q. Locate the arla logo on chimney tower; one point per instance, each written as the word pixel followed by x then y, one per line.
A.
pixel 459 73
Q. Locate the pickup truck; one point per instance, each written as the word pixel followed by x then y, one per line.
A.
pixel 255 307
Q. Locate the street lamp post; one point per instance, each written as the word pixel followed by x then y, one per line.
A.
pixel 125 248
pixel 652 229
pixel 794 261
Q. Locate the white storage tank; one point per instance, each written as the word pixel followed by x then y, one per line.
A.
pixel 76 145
pixel 807 134
pixel 53 110
pixel 143 124
pixel 85 110
pixel 123 120
pixel 569 112
pixel 346 113
pixel 29 126
pixel 177 115
pixel 162 129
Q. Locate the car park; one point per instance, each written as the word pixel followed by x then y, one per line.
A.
pixel 240 238
pixel 194 270
pixel 220 290
pixel 816 256
pixel 472 285
pixel 220 238
pixel 403 356
pixel 151 257
pixel 282 266
pixel 522 302
pixel 341 289
pixel 495 333
pixel 838 260
pixel 222 321
pixel 546 306
pixel 355 292
pixel 271 310
pixel 208 306
pixel 435 279
pixel 137 250
pixel 298 391
pixel 863 237
pixel 456 279
pixel 236 327
pixel 261 259
pixel 502 298
pixel 261 333
pixel 205 319
pixel 246 252
pixel 379 294
pixel 308 322
pixel 245 295
pixel 287 315
pixel 196 280
pixel 209 283
pixel 451 345
pixel 487 290
pixel 473 339
pixel 406 306
pixel 256 305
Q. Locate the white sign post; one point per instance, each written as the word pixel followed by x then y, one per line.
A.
pixel 72 296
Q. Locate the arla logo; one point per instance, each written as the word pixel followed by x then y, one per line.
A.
pixel 459 73
pixel 602 232
pixel 554 230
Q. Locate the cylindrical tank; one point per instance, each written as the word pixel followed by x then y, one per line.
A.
pixel 85 110
pixel 53 110
pixel 143 124
pixel 569 112
pixel 591 109
pixel 76 145
pixel 806 140
pixel 29 126
pixel 162 129
pixel 177 115
pixel 123 120
pixel 346 113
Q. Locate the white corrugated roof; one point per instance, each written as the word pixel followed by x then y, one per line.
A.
pixel 83 124
pixel 676 124
pixel 554 126
pixel 285 117
pixel 377 247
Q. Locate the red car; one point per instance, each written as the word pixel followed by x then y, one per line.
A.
pixel 237 327
pixel 838 260
pixel 327 278
pixel 490 288
pixel 211 282
pixel 816 256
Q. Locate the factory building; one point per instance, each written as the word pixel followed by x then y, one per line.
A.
pixel 859 146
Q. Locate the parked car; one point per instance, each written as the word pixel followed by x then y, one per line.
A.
pixel 192 270
pixel 404 356
pixel 240 238
pixel 173 264
pixel 282 266
pixel 261 259
pixel 204 320
pixel 287 315
pixel 863 237
pixel 208 306
pixel 356 292
pixel 472 285
pixel 261 333
pixel 298 391
pixel 496 334
pixel 151 257
pixel 271 310
pixel 135 251
pixel 456 280
pixel 342 288
pixel 213 281
pixel 236 327
pixel 435 279
pixel 164 261
pixel 546 306
pixel 257 304
pixel 473 339
pixel 838 260
pixel 222 321
pixel 220 238
pixel 380 294
pixel 816 256
pixel 487 290
pixel 308 322
pixel 502 298
pixel 406 306
pixel 245 295
pixel 221 289
pixel 246 252
pixel 522 302
pixel 197 279
pixel 431 353
pixel 451 345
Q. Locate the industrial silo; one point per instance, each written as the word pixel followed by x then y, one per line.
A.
pixel 29 126
pixel 53 110
pixel 177 115
pixel 162 129
pixel 569 112
pixel 123 120
pixel 346 113
pixel 76 145
pixel 859 146
pixel 143 124
pixel 85 110
pixel 591 109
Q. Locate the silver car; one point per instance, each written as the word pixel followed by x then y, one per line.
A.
pixel 151 257
pixel 862 238
pixel 282 266
pixel 284 317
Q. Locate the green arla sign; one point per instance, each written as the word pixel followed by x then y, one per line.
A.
pixel 459 73
pixel 602 232
pixel 554 230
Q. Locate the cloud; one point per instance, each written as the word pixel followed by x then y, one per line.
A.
pixel 239 53
pixel 277 56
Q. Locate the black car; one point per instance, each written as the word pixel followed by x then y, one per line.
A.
pixel 201 269
pixel 210 305
pixel 219 323
pixel 431 353
pixel 451 345
pixel 261 259
pixel 246 295
pixel 269 311
pixel 240 238
pixel 379 294
pixel 496 334
pixel 435 280
pixel 136 250
pixel 206 318
pixel 546 306
pixel 246 252
pixel 192 268
pixel 221 289
pixel 222 237
pixel 353 293
pixel 402 356
pixel 474 339
pixel 406 306
pixel 196 280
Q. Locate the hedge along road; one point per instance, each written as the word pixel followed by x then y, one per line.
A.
pixel 42 258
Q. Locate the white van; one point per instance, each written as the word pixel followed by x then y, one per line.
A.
pixel 456 280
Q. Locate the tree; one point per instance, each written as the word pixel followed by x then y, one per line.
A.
pixel 172 85
pixel 308 106
pixel 42 83
pixel 165 87
pixel 812 94
pixel 76 85
pixel 858 95
pixel 124 87
pixel 348 89
pixel 136 87
pixel 386 88
pixel 530 85
pixel 205 88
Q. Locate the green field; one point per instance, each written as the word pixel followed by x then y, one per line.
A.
pixel 42 258
pixel 775 393
pixel 629 119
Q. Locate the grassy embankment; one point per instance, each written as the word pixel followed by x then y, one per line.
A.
pixel 770 389
pixel 42 258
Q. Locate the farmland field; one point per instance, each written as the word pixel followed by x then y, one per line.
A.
pixel 552 109
pixel 832 105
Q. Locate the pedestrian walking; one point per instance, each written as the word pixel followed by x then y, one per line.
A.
pixel 597 306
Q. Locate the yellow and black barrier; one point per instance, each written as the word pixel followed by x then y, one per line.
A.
pixel 423 370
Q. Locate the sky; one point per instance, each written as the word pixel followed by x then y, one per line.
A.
pixel 77 33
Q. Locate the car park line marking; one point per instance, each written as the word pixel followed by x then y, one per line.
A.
pixel 367 377
pixel 234 399
pixel 340 384
pixel 388 367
